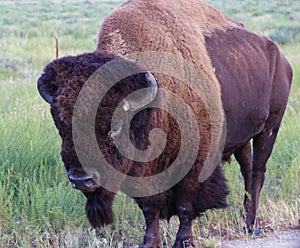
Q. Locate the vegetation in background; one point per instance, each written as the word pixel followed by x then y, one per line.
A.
pixel 39 208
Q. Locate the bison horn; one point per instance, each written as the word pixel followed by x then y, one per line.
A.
pixel 142 100
pixel 46 90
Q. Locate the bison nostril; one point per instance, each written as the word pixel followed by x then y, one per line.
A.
pixel 89 183
pixel 81 181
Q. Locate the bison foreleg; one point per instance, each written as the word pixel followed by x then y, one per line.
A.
pixel 184 237
pixel 152 236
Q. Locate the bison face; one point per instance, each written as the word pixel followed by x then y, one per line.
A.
pixel 60 85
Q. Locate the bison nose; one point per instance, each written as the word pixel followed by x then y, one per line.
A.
pixel 81 181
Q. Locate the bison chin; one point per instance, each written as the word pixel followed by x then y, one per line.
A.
pixel 99 208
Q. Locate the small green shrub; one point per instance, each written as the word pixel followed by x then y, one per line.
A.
pixel 286 34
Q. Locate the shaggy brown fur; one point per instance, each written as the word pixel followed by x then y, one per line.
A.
pixel 67 76
pixel 217 46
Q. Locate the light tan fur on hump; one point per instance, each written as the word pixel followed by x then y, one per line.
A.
pixel 170 26
pixel 174 26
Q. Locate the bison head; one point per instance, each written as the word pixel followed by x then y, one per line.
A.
pixel 60 85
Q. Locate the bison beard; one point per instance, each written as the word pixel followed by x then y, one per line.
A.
pixel 213 192
pixel 99 208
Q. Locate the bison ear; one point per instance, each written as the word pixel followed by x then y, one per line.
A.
pixel 46 89
pixel 139 100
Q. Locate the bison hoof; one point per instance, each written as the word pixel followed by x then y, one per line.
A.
pixel 154 244
pixel 246 231
pixel 187 243
pixel 256 232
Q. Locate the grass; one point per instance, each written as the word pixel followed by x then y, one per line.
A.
pixel 38 207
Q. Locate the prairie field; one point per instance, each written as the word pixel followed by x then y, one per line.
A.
pixel 39 208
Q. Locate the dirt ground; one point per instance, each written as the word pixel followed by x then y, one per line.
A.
pixel 287 239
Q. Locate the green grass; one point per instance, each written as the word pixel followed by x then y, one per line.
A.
pixel 38 207
pixel 265 17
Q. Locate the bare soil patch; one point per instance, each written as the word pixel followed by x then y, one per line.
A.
pixel 286 239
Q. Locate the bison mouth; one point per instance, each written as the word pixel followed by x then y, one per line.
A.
pixel 88 186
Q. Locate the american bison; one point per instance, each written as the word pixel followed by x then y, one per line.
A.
pixel 251 81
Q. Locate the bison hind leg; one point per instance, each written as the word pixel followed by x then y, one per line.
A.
pixel 99 208
pixel 262 148
pixel 243 156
